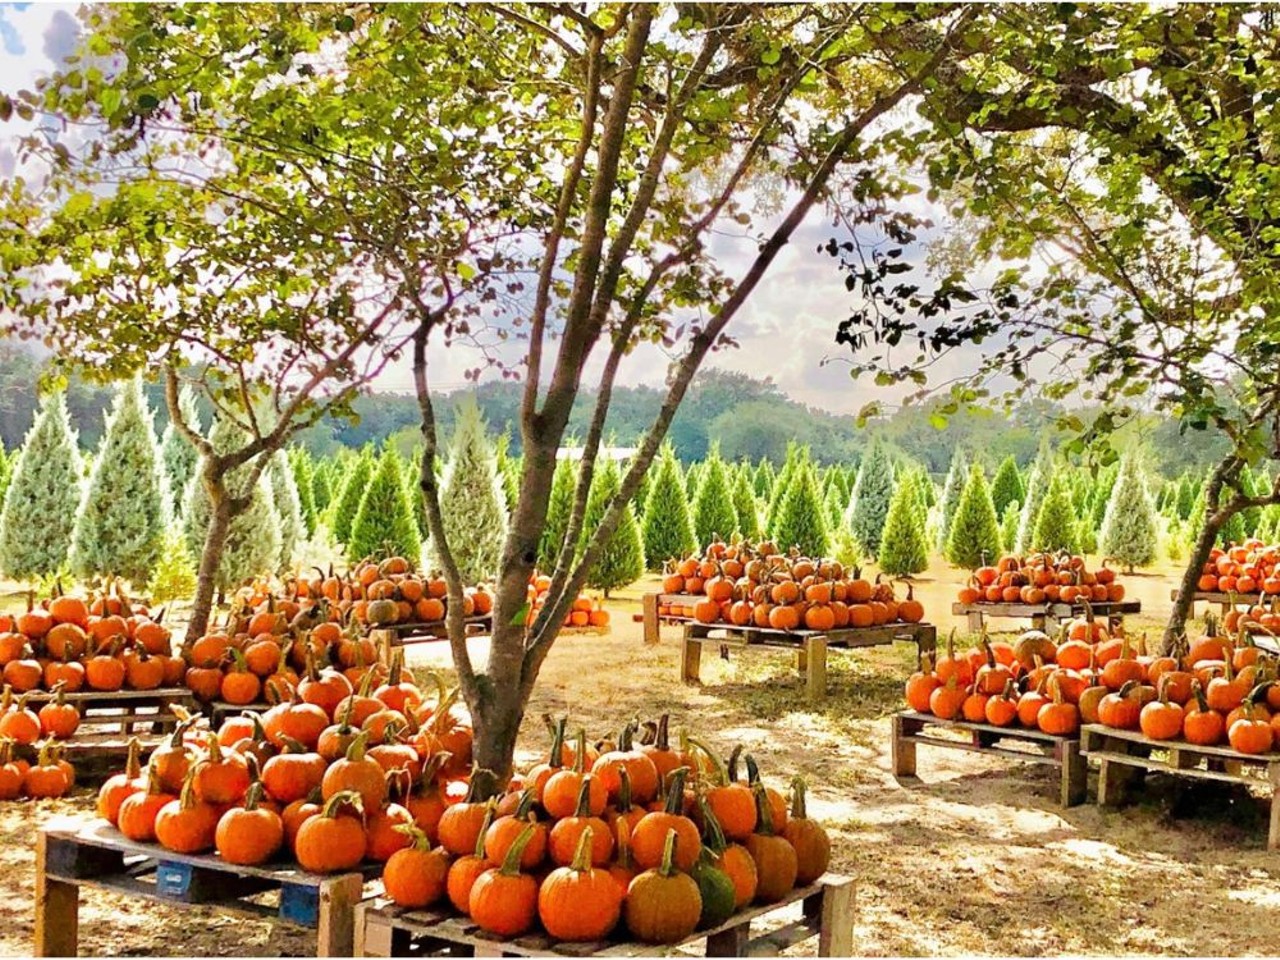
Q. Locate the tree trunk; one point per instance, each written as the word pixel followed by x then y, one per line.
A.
pixel 215 539
pixel 1177 625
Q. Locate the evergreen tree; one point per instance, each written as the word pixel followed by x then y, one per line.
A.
pixel 621 562
pixel 692 478
pixel 642 491
pixel 288 504
pixel 121 523
pixel 668 529
pixel 507 470
pixel 952 488
pixel 762 479
pixel 412 475
pixel 1080 490
pixel 301 465
pixel 384 525
pixel 781 485
pixel 1187 490
pixel 1175 545
pixel 845 476
pixel 833 503
pixel 342 511
pixel 926 491
pixel 903 550
pixel 1009 526
pixel 43 496
pixel 744 505
pixel 321 487
pixel 713 509
pixel 1102 488
pixel 801 519
pixel 473 504
pixel 6 470
pixel 1250 486
pixel 869 504
pixel 1056 523
pixel 253 539
pixel 1034 492
pixel 559 506
pixel 174 576
pixel 177 453
pixel 1129 531
pixel 974 536
pixel 1086 536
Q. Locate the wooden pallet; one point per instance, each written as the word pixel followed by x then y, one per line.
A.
pixel 653 620
pixel 910 729
pixel 1043 616
pixel 826 912
pixel 1125 756
pixel 405 634
pixel 110 719
pixel 75 853
pixel 810 645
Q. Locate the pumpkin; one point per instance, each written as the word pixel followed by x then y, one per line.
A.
pixel 356 772
pixel 1250 734
pixel 662 904
pixel 920 687
pixel 567 832
pixel 188 824
pixel 648 839
pixel 808 837
pixel 11 774
pixel 1033 644
pixel 221 778
pixel 1121 709
pixel 560 795
pixel 117 787
pixel 48 777
pixel 414 877
pixel 325 688
pixel 666 760
pixel 732 858
pixel 1201 724
pixel 463 824
pixel 136 818
pixel 949 665
pixel 640 769
pixel 293 774
pixel 383 834
pixel 426 801
pixel 464 871
pixel 1002 709
pixel 1160 719
pixel 731 801
pixel 623 870
pixel 947 701
pixel 717 892
pixel 17 722
pixel 777 864
pixel 239 685
pixel 332 840
pixel 580 902
pixel 251 834
pixel 1058 717
pixel 503 901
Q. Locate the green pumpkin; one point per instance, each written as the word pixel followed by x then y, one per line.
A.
pixel 717 892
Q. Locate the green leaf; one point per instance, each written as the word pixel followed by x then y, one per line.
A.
pixel 521 616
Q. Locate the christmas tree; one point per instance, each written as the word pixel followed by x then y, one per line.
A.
pixel 121 523
pixel 301 464
pixel 174 576
pixel 622 560
pixel 253 539
pixel 507 470
pixel 1187 490
pixel 903 550
pixel 668 529
pixel 1102 487
pixel 1175 544
pixel 692 478
pixel 293 528
pixel 384 525
pixel 1007 485
pixel 43 496
pixel 321 487
pixel 176 452
pixel 559 506
pixel 974 537
pixel 801 518
pixel 1009 527
pixel 713 511
pixel 1033 491
pixel 1129 532
pixel 952 488
pixel 762 479
pixel 926 492
pixel 869 504
pixel 472 502
pixel 781 485
pixel 744 505
pixel 1055 527
pixel 342 511
pixel 833 504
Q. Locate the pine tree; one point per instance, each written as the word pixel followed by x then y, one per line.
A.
pixel 121 523
pixel 927 492
pixel 6 470
pixel 253 539
pixel 473 504
pixel 1034 492
pixel 1102 487
pixel 321 487
pixel 293 527
pixel 1009 526
pixel 744 505
pixel 174 576
pixel 559 506
pixel 342 511
pixel 869 504
pixel 974 537
pixel 713 509
pixel 621 562
pixel 507 470
pixel 642 491
pixel 176 452
pixel 43 496
pixel 903 550
pixel 1086 536
pixel 762 479
pixel 384 525
pixel 412 476
pixel 1187 490
pixel 1250 486
pixel 801 519
pixel 952 488
pixel 1056 523
pixel 1007 485
pixel 781 485
pixel 668 529
pixel 301 465
pixel 1175 545
pixel 833 503
pixel 1129 531
pixel 692 478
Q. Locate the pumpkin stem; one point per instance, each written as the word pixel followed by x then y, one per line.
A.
pixel 356 749
pixel 418 839
pixel 716 841
pixel 1198 692
pixel 668 855
pixel 583 809
pixel 622 830
pixel 720 774
pixel 663 741
pixel 556 759
pixel 339 799
pixel 511 862
pixel 582 855
pixel 526 804
pixel 291 745
pixel 580 756
pixel 764 811
pixel 624 789
pixel 798 789
pixel 675 791
pixel 133 761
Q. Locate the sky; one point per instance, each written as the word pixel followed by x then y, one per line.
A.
pixel 785 331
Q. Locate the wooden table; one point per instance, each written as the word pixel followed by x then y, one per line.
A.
pixel 76 852
pixel 1228 601
pixel 810 645
pixel 1043 616
pixel 404 634
pixel 826 912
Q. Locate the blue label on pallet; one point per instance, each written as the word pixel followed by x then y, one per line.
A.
pixel 300 904
pixel 173 879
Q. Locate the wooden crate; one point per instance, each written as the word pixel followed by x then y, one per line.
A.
pixel 810 645
pixel 910 729
pixel 405 634
pixel 110 719
pixel 1043 616
pixel 826 912
pixel 75 853
pixel 1126 756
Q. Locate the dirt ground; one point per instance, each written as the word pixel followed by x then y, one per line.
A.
pixel 976 859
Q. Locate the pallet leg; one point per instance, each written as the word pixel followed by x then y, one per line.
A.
pixel 1273 834
pixel 975 621
pixel 802 660
pixel 903 751
pixel 814 650
pixel 691 660
pixel 730 943
pixel 926 645
pixel 652 629
pixel 1038 621
pixel 1075 774
pixel 57 910
pixel 1113 783
pixel 835 935
pixel 335 935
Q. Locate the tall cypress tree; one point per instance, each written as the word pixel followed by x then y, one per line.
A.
pixel 1102 487
pixel 622 560
pixel 692 477
pixel 301 464
pixel 801 518
pixel 668 529
pixel 1034 490
pixel 952 488
pixel 903 550
pixel 1007 485
pixel 384 525
pixel 1129 531
pixel 506 470
pixel 288 504
pixel 1056 523
pixel 321 487
pixel 762 479
pixel 833 502
pixel 343 508
pixel 120 527
pixel 1187 490
pixel 744 505
pixel 559 506
pixel 974 537
pixel 781 485
pixel 43 496
pixel 1009 527
pixel 869 504
pixel 713 510
pixel 177 453
pixel 472 501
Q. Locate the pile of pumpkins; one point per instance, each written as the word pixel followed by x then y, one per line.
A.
pixel 754 585
pixel 1251 568
pixel 585 612
pixel 1042 578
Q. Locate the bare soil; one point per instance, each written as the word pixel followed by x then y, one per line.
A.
pixel 977 859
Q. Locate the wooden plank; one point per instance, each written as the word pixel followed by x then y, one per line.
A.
pixel 690 659
pixel 1016 733
pixel 902 748
pixel 815 652
pixel 1075 773
pixel 835 934
pixel 335 933
pixel 94 698
pixel 57 905
pixel 993 751
pixel 1060 611
pixel 1273 832
pixel 730 943
pixel 1134 736
pixel 652 629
